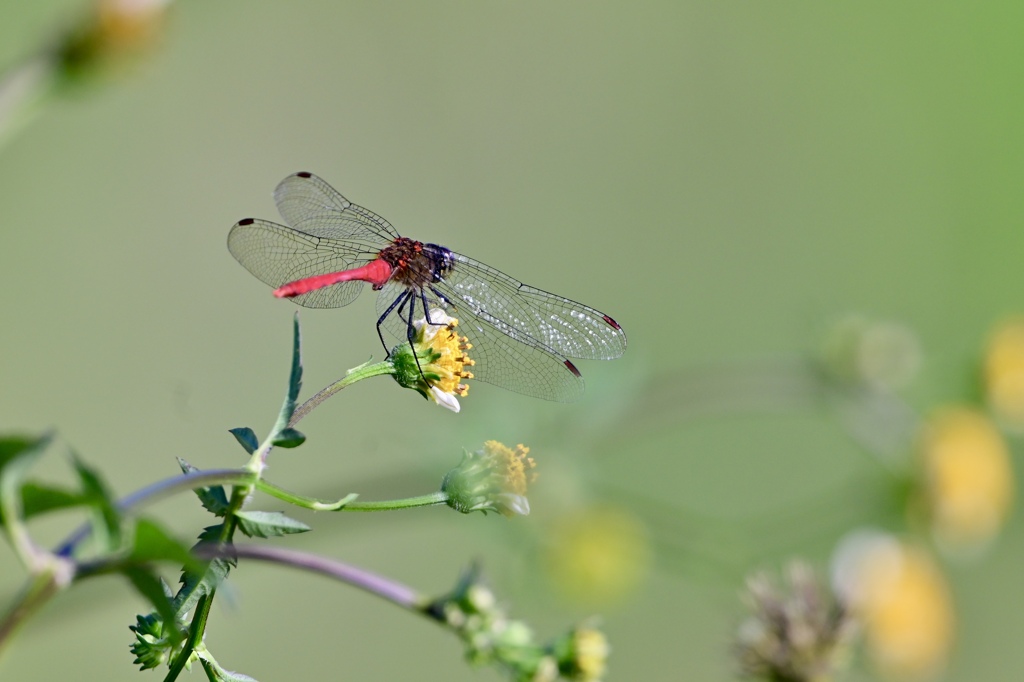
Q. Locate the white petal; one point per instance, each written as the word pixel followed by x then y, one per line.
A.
pixel 517 504
pixel 445 399
pixel 439 319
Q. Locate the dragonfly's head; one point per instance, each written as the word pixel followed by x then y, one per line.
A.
pixel 441 259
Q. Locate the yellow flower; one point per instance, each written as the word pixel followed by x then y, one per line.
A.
pixel 1004 371
pixel 591 655
pixel 598 554
pixel 495 478
pixel 129 23
pixel 115 30
pixel 437 362
pixel 902 601
pixel 968 481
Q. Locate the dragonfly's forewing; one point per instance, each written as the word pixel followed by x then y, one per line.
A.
pixel 309 204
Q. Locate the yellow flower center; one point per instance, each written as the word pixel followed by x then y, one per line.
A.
pixel 448 357
pixel 512 465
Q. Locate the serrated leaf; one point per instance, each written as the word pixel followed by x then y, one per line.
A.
pixel 294 380
pixel 197 584
pixel 289 438
pixel 149 585
pixel 107 519
pixel 246 438
pixel 261 524
pixel 214 499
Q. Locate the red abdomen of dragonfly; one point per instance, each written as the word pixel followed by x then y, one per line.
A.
pixel 415 264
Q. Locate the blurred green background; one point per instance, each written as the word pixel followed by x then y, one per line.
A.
pixel 723 178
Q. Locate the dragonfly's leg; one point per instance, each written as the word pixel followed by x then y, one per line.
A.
pixel 444 299
pixel 411 328
pixel 426 309
pixel 380 320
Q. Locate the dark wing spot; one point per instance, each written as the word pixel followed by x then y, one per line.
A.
pixel 304 174
pixel 611 322
pixel 246 221
pixel 572 368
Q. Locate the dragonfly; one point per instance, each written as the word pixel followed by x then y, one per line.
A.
pixel 522 337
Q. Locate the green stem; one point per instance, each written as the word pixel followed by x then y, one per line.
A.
pixel 301 500
pixel 198 626
pixel 432 499
pixel 356 374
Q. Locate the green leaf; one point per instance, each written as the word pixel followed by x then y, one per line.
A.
pixel 12 447
pixel 107 519
pixel 17 455
pixel 294 380
pixel 262 524
pixel 214 499
pixel 246 437
pixel 289 438
pixel 37 498
pixel 151 543
pixel 149 585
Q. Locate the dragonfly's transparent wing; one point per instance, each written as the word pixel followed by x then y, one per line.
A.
pixel 277 254
pixel 503 357
pixel 569 328
pixel 309 204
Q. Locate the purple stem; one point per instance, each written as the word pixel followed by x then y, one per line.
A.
pixel 394 592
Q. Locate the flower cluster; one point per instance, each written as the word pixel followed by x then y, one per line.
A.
pixel 491 637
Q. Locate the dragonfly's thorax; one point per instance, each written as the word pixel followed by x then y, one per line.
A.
pixel 416 264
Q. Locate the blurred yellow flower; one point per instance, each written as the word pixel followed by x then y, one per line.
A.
pixel 1004 371
pixel 129 23
pixel 591 655
pixel 967 476
pixel 597 554
pixel 902 601
pixel 114 31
